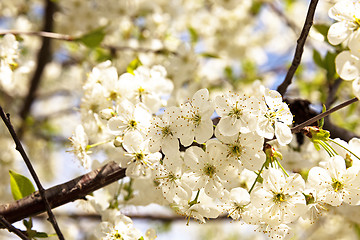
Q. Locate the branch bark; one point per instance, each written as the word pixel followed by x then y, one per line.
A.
pixel 64 193
pixel 43 57
pixel 20 149
pixel 299 48
pixel 298 128
pixel 11 228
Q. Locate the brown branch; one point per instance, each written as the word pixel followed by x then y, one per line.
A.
pixel 13 229
pixel 298 128
pixel 299 48
pixel 288 21
pixel 50 35
pixel 43 57
pixel 154 217
pixel 332 92
pixel 6 119
pixel 64 193
pixel 69 38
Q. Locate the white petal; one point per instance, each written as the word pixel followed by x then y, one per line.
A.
pixel 338 32
pixel 347 65
pixel 283 133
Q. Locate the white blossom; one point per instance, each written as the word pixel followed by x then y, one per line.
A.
pixel 163 132
pixel 275 118
pixel 335 183
pixel 79 142
pixel 195 116
pixel 140 160
pixel 238 113
pixel 346 12
pixel 280 198
pixel 209 170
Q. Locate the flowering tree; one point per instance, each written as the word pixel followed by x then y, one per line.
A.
pixel 189 105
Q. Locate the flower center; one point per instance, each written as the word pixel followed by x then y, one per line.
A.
pixel 271 115
pixel 166 131
pixel 280 197
pixel 113 95
pixel 235 112
pixel 210 170
pixel 141 92
pixel 113 235
pixel 235 150
pixel 132 124
pixel 139 156
pixel 337 185
pixel 196 119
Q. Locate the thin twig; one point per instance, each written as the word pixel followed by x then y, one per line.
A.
pixel 288 21
pixel 44 34
pixel 299 48
pixel 64 193
pixel 19 147
pixel 69 38
pixel 13 229
pixel 44 56
pixel 298 128
pixel 332 92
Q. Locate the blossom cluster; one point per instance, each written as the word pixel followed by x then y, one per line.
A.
pixel 346 31
pixel 207 156
pixel 9 51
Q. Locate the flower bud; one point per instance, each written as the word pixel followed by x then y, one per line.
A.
pixel 107 113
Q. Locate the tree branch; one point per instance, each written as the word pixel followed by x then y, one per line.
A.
pixel 299 48
pixel 64 193
pixel 298 128
pixel 69 38
pixel 13 229
pixel 52 219
pixel 43 57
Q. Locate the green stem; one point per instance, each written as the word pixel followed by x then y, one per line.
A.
pixel 344 148
pixel 257 178
pixel 327 144
pixel 326 148
pixel 277 161
pixel 96 144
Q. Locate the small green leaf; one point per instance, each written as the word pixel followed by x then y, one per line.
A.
pixel 93 38
pixel 322 29
pixel 256 7
pixel 194 37
pixel 321 121
pixel 20 185
pixel 133 65
pixel 28 224
pixel 329 65
pixel 41 235
pixel 209 55
pixel 317 59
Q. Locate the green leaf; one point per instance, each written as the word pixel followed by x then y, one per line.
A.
pixel 28 224
pixel 322 29
pixel 41 235
pixel 229 73
pixel 133 65
pixel 194 37
pixel 321 121
pixel 329 65
pixel 20 185
pixel 357 230
pixel 256 7
pixel 317 59
pixel 209 55
pixel 93 38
